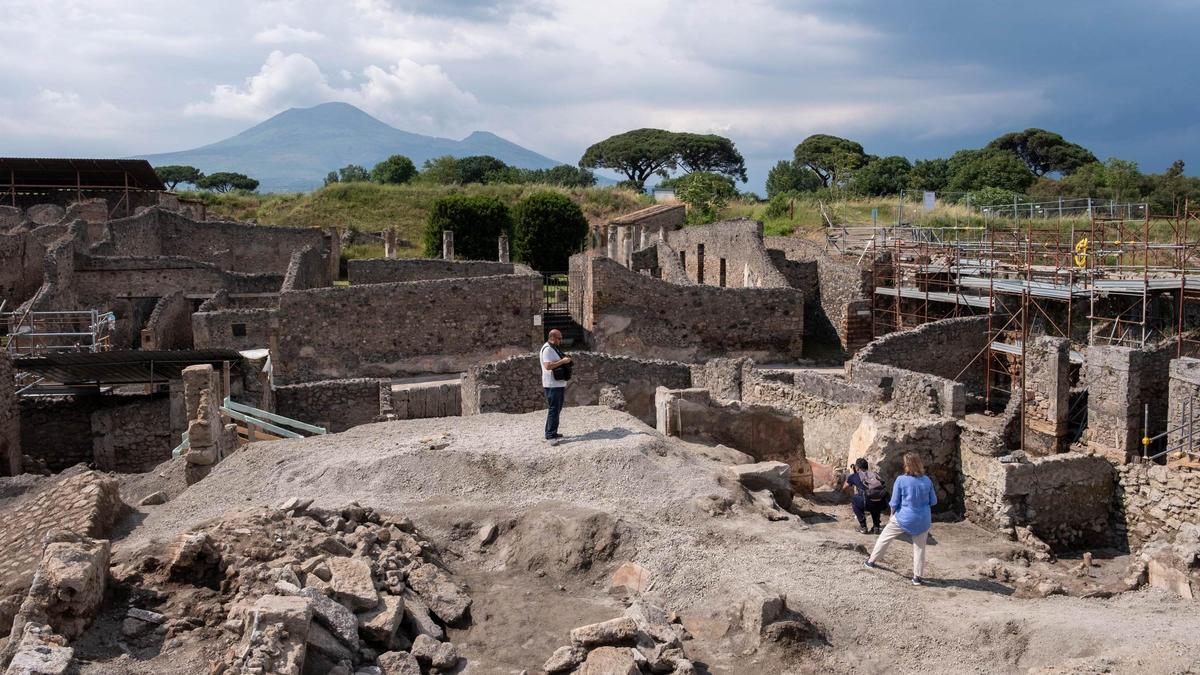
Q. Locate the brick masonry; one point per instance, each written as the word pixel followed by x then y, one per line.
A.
pixel 395 270
pixel 636 315
pixel 839 312
pixel 403 329
pixel 86 503
pixel 1153 501
pixel 1121 382
pixel 336 405
pixel 114 432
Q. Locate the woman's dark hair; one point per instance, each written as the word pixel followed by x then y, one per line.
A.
pixel 860 464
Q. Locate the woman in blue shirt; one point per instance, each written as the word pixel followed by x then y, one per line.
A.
pixel 912 497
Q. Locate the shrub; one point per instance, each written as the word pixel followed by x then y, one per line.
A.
pixel 475 221
pixel 547 228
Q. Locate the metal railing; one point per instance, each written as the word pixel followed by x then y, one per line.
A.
pixel 29 332
pixel 256 419
pixel 1185 444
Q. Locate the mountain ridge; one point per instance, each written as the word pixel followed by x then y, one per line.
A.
pixel 293 150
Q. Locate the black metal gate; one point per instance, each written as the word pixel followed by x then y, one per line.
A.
pixel 562 309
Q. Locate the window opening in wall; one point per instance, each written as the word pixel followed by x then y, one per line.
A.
pixel 683 261
pixel 239 329
pixel 699 263
pixel 721 272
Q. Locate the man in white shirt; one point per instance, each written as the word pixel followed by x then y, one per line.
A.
pixel 552 357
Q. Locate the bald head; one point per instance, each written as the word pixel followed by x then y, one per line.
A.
pixel 554 337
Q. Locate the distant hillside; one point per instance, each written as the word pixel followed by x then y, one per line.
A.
pixel 292 151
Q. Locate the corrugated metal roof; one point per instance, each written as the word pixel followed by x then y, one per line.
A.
pixel 85 173
pixel 120 367
pixel 955 298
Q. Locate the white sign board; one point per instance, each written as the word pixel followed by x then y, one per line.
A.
pixel 929 200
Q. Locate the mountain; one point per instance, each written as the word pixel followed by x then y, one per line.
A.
pixel 292 151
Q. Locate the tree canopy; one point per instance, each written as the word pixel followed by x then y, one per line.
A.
pixel 547 228
pixel 705 193
pixel 972 170
pixel 642 153
pixel 788 176
pixel 882 176
pixel 476 222
pixel 833 159
pixel 394 170
pixel 227 181
pixel 1044 151
pixel 174 174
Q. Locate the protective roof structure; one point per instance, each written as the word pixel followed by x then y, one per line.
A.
pixel 121 367
pixel 46 172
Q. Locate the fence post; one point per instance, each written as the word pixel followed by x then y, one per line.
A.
pixel 447 244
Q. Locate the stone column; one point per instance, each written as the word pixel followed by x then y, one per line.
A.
pixel 1047 395
pixel 611 242
pixel 503 244
pixel 389 243
pixel 10 421
pixel 447 245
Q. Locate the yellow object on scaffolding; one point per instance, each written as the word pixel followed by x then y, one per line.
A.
pixel 1081 247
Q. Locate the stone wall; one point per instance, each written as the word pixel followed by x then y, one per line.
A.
pixel 883 442
pixel 395 270
pixel 134 436
pixel 639 230
pixel 239 329
pixel 336 405
pixel 421 400
pixel 235 247
pixel 840 312
pixel 401 329
pixel 763 432
pixel 951 349
pixel 1047 395
pixel 514 385
pixel 114 432
pixel 735 244
pixel 1152 502
pixel 1121 381
pixel 170 324
pixel 661 262
pixel 306 269
pixel 10 421
pixel 1063 499
pixel 1183 392
pixel 23 252
pixel 86 503
pixel 628 313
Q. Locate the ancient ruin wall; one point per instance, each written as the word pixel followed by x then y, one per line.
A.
pixel 239 329
pixel 633 314
pixel 336 405
pixel 305 270
pixel 950 349
pixel 23 252
pixel 739 243
pixel 1183 391
pixel 402 329
pixel 422 400
pixel 840 311
pixel 170 325
pixel 236 247
pixel 514 385
pixel 1121 382
pixel 396 270
pixel 1152 501
pixel 10 421
pixel 661 262
pixel 132 437
pixel 883 442
pixel 117 433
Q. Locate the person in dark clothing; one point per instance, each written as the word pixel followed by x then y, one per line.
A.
pixel 870 495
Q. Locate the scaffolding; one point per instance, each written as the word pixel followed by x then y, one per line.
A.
pixel 1110 274
pixel 29 332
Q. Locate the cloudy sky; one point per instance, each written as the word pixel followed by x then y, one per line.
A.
pixel 919 78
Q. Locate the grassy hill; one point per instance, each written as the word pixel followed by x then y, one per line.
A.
pixel 369 207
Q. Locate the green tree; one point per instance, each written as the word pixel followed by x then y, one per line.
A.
pixel 547 228
pixel 563 174
pixel 929 174
pixel 710 153
pixel 476 222
pixel 226 181
pixel 705 193
pixel 1123 178
pixel 833 159
pixel 441 170
pixel 972 170
pixel 788 176
pixel 331 178
pixel 1044 151
pixel 174 174
pixel 1087 181
pixel 638 154
pixel 480 169
pixel 1170 190
pixel 353 173
pixel 394 170
pixel 882 176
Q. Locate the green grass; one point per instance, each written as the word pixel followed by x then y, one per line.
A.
pixel 370 207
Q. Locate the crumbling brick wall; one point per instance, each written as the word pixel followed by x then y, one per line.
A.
pixel 170 324
pixel 395 270
pixel 738 243
pixel 305 270
pixel 1121 382
pixel 10 421
pixel 1064 499
pixel 638 230
pixel 401 329
pixel 952 349
pixel 86 503
pixel 23 252
pixel 883 442
pixel 633 314
pixel 115 432
pixel 839 313
pixel 514 385
pixel 336 405
pixel 1152 501
pixel 220 323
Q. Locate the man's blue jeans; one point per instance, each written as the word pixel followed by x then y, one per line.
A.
pixel 554 403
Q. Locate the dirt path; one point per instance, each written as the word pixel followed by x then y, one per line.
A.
pixel 618 491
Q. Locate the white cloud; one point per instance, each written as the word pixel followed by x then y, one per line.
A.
pixel 283 33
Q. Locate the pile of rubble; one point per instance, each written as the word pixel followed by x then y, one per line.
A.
pixel 647 639
pixel 295 590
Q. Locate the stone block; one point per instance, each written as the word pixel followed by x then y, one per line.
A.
pixel 398 663
pixel 620 631
pixel 761 607
pixel 68 586
pixel 351 583
pixel 609 661
pixel 441 595
pixel 41 652
pixel 775 477
pixel 381 624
